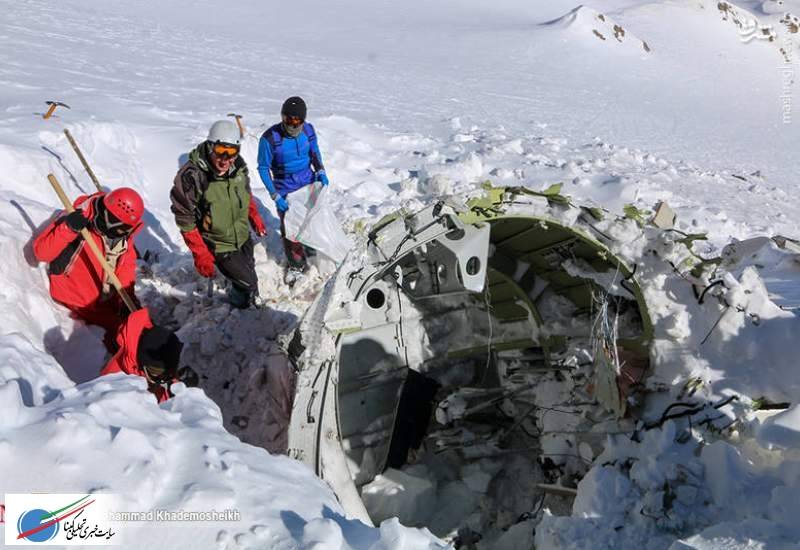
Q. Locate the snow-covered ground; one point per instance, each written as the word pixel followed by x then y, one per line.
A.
pixel 624 101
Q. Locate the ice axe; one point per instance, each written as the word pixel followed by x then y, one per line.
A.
pixel 238 118
pixel 52 107
pixel 93 246
pixel 48 114
pixel 82 159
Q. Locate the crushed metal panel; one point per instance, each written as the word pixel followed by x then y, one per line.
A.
pixel 420 301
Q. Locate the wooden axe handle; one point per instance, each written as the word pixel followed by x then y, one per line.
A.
pixel 93 246
pixel 82 159
pixel 49 112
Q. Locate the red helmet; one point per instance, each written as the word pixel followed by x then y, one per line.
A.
pixel 125 204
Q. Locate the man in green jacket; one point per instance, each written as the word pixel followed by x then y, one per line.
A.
pixel 214 209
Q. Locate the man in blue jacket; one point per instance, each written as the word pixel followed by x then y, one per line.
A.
pixel 289 159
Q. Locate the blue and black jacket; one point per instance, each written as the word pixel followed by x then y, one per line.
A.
pixel 288 163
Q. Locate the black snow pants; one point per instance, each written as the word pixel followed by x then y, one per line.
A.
pixel 239 267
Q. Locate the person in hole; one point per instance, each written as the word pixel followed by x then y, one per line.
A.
pixel 214 209
pixel 288 160
pixel 151 352
pixel 77 280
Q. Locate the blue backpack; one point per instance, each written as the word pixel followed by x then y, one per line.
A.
pixel 275 139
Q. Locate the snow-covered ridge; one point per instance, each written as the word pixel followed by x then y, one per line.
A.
pixel 584 21
pixel 769 22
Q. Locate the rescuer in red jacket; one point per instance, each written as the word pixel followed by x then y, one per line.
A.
pixel 149 351
pixel 77 279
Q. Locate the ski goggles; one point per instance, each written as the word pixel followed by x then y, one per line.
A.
pixel 225 150
pixel 292 120
pixel 113 225
pixel 156 373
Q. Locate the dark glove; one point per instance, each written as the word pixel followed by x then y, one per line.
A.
pixel 121 307
pixel 188 376
pixel 203 258
pixel 282 205
pixel 322 177
pixel 76 220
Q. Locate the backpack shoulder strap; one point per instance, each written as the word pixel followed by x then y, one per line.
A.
pixel 273 137
pixel 195 178
pixel 195 184
pixel 308 130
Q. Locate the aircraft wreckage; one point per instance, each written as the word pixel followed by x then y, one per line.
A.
pixel 466 364
pixel 458 328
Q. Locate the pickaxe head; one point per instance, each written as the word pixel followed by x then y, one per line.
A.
pixel 238 118
pixel 52 107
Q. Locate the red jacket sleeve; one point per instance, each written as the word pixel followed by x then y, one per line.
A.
pixel 252 209
pixel 126 267
pixel 52 241
pixel 255 218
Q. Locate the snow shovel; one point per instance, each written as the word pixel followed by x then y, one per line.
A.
pixel 93 246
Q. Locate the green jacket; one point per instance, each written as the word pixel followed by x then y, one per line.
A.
pixel 216 205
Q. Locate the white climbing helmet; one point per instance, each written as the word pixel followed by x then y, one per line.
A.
pixel 224 131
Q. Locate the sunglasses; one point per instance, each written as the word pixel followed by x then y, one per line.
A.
pixel 224 150
pixel 292 120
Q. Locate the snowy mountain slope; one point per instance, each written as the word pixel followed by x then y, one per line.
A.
pixel 699 116
pixel 412 102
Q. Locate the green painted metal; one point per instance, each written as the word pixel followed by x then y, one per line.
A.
pixel 530 239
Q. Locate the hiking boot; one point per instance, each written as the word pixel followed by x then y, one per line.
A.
pixel 239 298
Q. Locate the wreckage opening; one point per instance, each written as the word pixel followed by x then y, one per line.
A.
pixel 481 364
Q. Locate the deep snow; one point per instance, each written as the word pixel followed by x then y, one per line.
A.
pixel 412 101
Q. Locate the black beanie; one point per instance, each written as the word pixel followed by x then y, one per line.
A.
pixel 294 106
pixel 159 349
